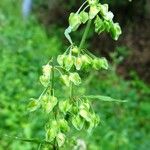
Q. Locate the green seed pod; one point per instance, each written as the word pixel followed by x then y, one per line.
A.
pixel 60 138
pixel 93 2
pixel 96 64
pixel 115 31
pixel 75 78
pixel 75 50
pixel 78 63
pixel 93 11
pixel 74 21
pixel 85 114
pixel 95 119
pixel 94 122
pixel 99 25
pixel 103 63
pixel 85 106
pixel 33 105
pixel 63 124
pixel 64 106
pixel 51 133
pixel 47 70
pixel 44 80
pixel 86 60
pixel 100 63
pixel 68 62
pixel 60 59
pixel 103 9
pixel 65 80
pixel 109 16
pixel 84 16
pixel 48 103
pixel 74 110
pixel 77 122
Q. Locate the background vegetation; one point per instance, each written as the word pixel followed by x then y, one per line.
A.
pixel 26 45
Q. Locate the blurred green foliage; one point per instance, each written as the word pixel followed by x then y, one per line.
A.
pixel 24 48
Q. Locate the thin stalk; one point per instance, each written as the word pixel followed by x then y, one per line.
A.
pixel 55 146
pixel 52 80
pixel 81 7
pixel 71 90
pixel 85 34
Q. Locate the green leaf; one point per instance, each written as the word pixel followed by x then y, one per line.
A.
pixel 84 16
pixel 104 98
pixel 74 21
pixel 33 105
pixel 93 11
pixel 75 78
pixel 77 122
pixel 115 31
pixel 65 79
pixel 60 139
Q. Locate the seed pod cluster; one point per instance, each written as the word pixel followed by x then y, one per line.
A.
pixel 79 61
pixel 74 109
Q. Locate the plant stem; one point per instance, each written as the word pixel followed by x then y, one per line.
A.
pixel 55 146
pixel 52 80
pixel 71 90
pixel 85 34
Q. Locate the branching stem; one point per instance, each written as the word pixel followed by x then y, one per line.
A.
pixel 85 34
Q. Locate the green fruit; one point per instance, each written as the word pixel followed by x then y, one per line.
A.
pixel 78 63
pixel 75 78
pixel 64 106
pixel 74 21
pixel 77 122
pixel 84 16
pixel 65 79
pixel 68 62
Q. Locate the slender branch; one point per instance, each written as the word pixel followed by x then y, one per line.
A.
pixel 85 34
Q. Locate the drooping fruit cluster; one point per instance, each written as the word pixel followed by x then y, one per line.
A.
pixel 76 109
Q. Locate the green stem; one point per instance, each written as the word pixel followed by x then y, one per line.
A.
pixel 85 34
pixel 52 80
pixel 55 146
pixel 71 90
